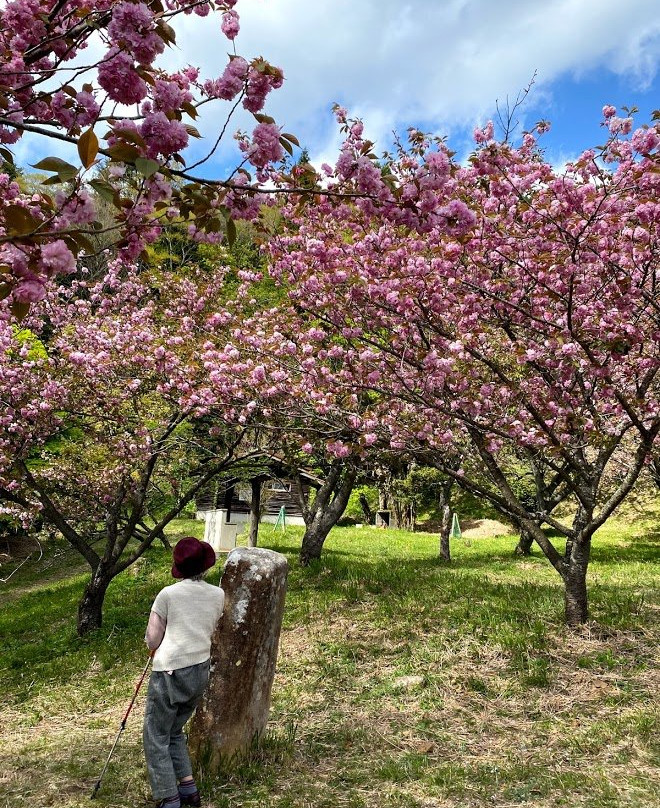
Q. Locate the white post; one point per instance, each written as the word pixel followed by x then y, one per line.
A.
pixel 219 533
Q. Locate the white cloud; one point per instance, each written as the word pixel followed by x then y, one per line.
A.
pixel 442 64
pixel 439 64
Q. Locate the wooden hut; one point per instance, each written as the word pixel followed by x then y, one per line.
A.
pixel 275 487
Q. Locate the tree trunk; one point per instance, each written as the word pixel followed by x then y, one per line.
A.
pixel 313 540
pixel 525 542
pixel 233 712
pixel 445 523
pixel 366 510
pixel 327 511
pixel 575 583
pixel 90 608
pixel 445 530
pixel 255 512
pixel 402 515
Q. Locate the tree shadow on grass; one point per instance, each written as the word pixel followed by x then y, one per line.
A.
pixel 468 589
pixel 40 643
pixel 642 550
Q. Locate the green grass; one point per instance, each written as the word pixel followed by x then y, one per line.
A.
pixel 507 708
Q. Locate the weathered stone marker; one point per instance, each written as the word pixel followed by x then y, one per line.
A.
pixel 234 709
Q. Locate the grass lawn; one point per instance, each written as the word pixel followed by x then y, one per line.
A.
pixel 402 681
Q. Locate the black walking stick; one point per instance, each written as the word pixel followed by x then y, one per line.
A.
pixel 122 726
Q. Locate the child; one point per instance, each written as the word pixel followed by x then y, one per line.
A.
pixel 182 620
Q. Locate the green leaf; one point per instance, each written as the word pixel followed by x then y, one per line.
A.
pixel 126 134
pixel 214 225
pixel 54 180
pixel 19 221
pixel 286 146
pixel 146 167
pixel 190 109
pixel 7 156
pixel 88 147
pixel 292 138
pixel 145 74
pixel 263 118
pixel 104 190
pixel 166 32
pixel 19 309
pixel 78 242
pixel 5 290
pixel 64 170
pixel 231 232
pixel 123 153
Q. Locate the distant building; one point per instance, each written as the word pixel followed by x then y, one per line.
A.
pixel 278 490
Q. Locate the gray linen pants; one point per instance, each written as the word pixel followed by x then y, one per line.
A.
pixel 171 700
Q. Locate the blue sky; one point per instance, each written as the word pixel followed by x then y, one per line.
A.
pixel 576 105
pixel 437 64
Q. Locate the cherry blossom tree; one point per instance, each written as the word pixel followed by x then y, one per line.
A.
pixel 501 304
pixel 91 75
pixel 112 420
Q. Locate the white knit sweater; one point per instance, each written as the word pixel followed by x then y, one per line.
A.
pixel 190 610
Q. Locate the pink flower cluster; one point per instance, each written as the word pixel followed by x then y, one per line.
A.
pixel 56 258
pixel 169 94
pixel 260 82
pixel 37 39
pixel 231 82
pixel 230 24
pixel 162 135
pixel 77 112
pixel 119 78
pixel 490 317
pixel 131 29
pixel 53 258
pixel 265 146
pixel 485 134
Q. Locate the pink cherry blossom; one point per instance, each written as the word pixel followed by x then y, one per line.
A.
pixel 265 146
pixel 230 24
pixel 162 135
pixel 131 28
pixel 119 78
pixel 38 88
pixel 232 81
pixel 56 258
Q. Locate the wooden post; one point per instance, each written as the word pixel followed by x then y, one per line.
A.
pixel 255 511
pixel 229 495
pixel 234 709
